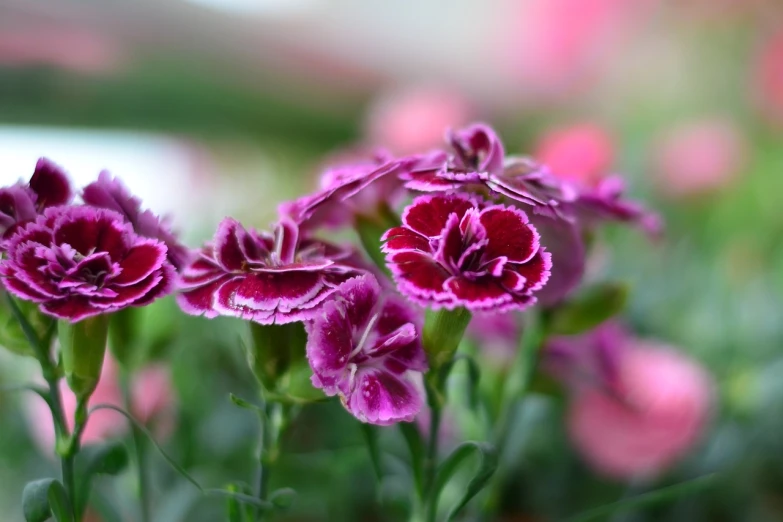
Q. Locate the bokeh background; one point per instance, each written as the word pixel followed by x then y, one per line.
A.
pixel 207 108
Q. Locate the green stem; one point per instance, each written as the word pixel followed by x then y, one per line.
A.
pixel 139 449
pixel 431 464
pixel 41 349
pixel 515 390
pixel 273 421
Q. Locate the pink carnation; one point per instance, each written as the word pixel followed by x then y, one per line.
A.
pixel 699 157
pixel 651 417
pixel 768 78
pixel 581 154
pixel 415 120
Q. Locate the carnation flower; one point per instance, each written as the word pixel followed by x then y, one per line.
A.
pixel 269 279
pixel 110 193
pixel 364 347
pixel 637 407
pixel 21 204
pixel 78 262
pixel 452 250
pixel 360 186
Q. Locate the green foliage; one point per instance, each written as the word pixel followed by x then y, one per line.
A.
pixel 44 499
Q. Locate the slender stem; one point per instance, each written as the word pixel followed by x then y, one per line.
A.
pixel 515 390
pixel 139 450
pixel 431 463
pixel 61 435
pixel 273 421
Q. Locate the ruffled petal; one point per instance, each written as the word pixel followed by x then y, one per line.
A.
pixel 382 398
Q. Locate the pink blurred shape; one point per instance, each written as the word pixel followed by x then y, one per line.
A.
pixel 768 78
pixel 416 119
pixel 152 399
pixel 657 413
pixel 79 50
pixel 555 45
pixel 582 153
pixel 699 157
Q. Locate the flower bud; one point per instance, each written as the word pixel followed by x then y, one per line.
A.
pixel 271 351
pixel 82 346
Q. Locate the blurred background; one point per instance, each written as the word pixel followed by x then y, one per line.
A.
pixel 207 108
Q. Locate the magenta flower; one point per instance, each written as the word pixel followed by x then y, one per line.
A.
pixel 77 262
pixel 21 204
pixel 365 347
pixel 452 250
pixel 110 193
pixel 360 186
pixel 269 279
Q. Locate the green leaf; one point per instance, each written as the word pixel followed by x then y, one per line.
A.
pixel 44 499
pixel 488 463
pixel 588 309
pixel 647 499
pixel 370 232
pixel 370 434
pixel 282 498
pixel 105 459
pixel 412 436
pixel 236 510
pixel 474 375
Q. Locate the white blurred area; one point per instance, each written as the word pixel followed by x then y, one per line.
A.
pixel 169 175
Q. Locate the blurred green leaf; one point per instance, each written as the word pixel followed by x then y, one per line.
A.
pixel 588 309
pixel 474 376
pixel 105 459
pixel 370 434
pixel 44 499
pixel 488 463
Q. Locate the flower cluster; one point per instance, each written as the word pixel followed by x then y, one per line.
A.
pixel 491 233
pixel 77 261
pixel 465 243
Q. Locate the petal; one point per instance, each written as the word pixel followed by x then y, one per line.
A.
pixel 398 239
pixel 360 295
pixel 131 294
pixel 329 344
pixel 72 309
pixel 428 214
pixel 382 398
pixel 286 240
pixel 482 294
pixel 228 251
pixel 509 234
pixel 285 290
pixel 142 259
pixel 421 274
pixel 387 344
pixel 480 143
pixel 536 271
pixel 50 185
pixel 21 289
pixel 199 301
pixel 164 287
pixel 450 246
pixel 563 241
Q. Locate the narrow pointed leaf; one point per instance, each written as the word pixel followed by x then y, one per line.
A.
pixel 488 463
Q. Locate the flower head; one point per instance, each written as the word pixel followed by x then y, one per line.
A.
pixel 77 262
pixel 453 250
pixel 110 193
pixel 363 347
pixel 359 186
pixel 638 406
pixel 267 278
pixel 21 204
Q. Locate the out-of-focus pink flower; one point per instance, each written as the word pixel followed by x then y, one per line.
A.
pixel 768 78
pixel 554 46
pixel 152 400
pixel 582 154
pixel 700 157
pixel 73 49
pixel 637 406
pixel 415 120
